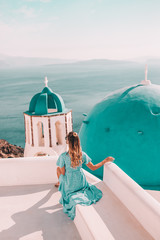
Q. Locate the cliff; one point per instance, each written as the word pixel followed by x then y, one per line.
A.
pixel 8 150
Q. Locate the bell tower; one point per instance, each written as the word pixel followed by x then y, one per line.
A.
pixel 47 122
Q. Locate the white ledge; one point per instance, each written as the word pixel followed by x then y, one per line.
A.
pixel 27 171
pixel 141 204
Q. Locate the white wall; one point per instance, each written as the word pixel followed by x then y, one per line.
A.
pixel 69 122
pixel 32 151
pixel 141 204
pixel 26 171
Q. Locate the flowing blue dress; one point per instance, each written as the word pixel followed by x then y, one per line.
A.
pixel 74 187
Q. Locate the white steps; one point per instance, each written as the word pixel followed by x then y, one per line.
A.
pixel 108 219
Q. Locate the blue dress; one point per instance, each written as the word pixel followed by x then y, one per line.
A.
pixel 74 187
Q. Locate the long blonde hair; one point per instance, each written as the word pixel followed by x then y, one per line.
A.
pixel 75 150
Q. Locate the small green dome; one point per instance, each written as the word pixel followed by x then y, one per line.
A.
pixel 46 102
pixel 126 125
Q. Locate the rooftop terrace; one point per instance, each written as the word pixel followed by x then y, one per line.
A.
pixel 30 210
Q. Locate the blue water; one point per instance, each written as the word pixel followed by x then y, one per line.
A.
pixel 80 85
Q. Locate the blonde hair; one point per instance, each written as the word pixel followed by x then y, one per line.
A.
pixel 75 150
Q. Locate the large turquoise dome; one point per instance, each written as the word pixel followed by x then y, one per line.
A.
pixel 126 125
pixel 46 103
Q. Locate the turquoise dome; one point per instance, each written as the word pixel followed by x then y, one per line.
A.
pixel 45 102
pixel 126 125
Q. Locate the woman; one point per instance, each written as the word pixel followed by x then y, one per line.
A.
pixel 72 183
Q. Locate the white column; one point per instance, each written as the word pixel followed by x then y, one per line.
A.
pixel 69 122
pixel 35 121
pixel 28 129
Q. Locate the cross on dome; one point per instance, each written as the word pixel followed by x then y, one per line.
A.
pixel 146 81
pixel 46 82
pixel 146 71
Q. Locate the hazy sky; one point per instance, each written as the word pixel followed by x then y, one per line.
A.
pixel 80 29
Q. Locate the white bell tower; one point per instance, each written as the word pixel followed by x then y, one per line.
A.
pixel 47 123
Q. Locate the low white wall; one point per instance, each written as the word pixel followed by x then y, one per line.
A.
pixel 141 204
pixel 29 170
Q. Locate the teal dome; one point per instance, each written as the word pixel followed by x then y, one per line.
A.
pixel 126 125
pixel 46 102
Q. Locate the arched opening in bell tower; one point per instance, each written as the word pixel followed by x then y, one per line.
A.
pixel 40 129
pixel 59 133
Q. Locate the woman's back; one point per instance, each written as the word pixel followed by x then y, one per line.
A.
pixel 74 178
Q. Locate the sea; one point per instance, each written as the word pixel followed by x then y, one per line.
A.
pixel 81 85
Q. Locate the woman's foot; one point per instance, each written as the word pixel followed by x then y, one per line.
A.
pixel 56 184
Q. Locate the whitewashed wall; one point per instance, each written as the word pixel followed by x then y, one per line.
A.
pixel 27 171
pixel 140 203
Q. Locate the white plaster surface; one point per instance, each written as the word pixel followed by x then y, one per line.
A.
pixel 142 205
pixel 27 171
pixel 116 221
pixel 154 194
pixel 30 209
pixel 34 213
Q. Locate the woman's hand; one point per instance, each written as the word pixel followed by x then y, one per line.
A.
pixel 108 159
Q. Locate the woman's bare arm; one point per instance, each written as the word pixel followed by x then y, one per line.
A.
pixel 93 167
pixel 63 170
pixel 60 171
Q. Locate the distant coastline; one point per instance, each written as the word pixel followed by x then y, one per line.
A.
pixel 7 61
